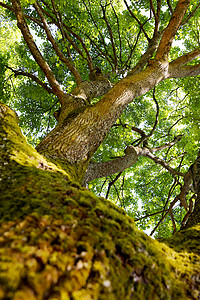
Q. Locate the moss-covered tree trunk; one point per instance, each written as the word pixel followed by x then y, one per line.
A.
pixel 59 241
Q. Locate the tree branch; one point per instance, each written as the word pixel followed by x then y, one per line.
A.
pixel 119 164
pixel 138 130
pixel 184 59
pixel 191 14
pixel 111 183
pixel 138 21
pixel 152 47
pixel 156 14
pixel 170 31
pixel 118 30
pixel 170 6
pixel 173 220
pixel 33 77
pixel 164 216
pixel 21 23
pixel 116 165
pixel 191 206
pixel 62 57
pixel 170 144
pixel 101 36
pixel 146 137
pixel 65 34
pixel 178 69
pixel 111 35
pixel 25 15
pixel 147 152
pixel 153 214
pixel 59 23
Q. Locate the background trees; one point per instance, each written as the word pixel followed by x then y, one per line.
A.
pixel 115 38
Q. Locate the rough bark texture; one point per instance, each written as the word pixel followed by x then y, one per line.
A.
pixel 59 241
pixel 76 139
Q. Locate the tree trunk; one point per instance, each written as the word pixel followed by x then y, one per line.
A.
pixel 80 132
pixel 59 241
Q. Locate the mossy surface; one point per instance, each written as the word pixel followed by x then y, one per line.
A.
pixel 59 241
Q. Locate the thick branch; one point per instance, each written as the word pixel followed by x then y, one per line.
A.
pixel 119 164
pixel 169 33
pixel 184 59
pixel 21 23
pixel 185 71
pixel 82 94
pixel 95 122
pixel 111 167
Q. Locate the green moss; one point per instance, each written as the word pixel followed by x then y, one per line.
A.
pixel 186 240
pixel 59 241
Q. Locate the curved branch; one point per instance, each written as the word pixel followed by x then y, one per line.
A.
pixel 147 152
pixel 62 57
pixel 116 165
pixel 21 23
pixel 33 77
pixel 119 164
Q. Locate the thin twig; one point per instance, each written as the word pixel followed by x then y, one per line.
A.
pixel 153 214
pixel 111 183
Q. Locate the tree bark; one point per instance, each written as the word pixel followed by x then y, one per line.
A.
pixel 59 241
pixel 76 139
